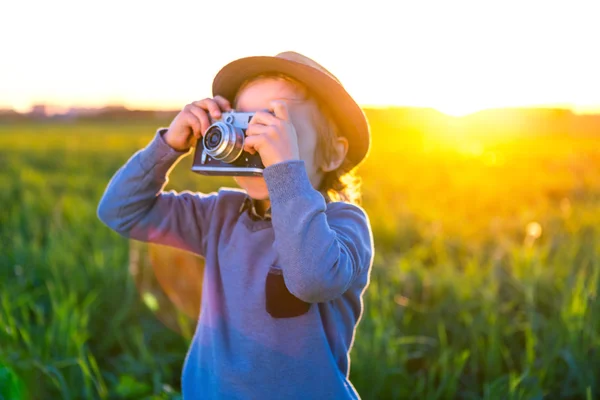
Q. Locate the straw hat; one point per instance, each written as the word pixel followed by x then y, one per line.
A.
pixel 347 114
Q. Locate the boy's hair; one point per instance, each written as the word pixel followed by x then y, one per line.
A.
pixel 341 184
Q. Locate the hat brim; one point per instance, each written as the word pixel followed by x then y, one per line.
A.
pixel 347 114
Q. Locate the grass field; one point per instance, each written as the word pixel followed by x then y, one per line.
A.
pixel 484 284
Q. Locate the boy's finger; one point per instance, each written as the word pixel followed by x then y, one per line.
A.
pixel 256 129
pixel 211 106
pixel 200 114
pixel 250 143
pixel 263 118
pixel 194 124
pixel 223 103
pixel 254 144
pixel 280 110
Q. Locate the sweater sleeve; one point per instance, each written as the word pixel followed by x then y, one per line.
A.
pixel 135 205
pixel 321 251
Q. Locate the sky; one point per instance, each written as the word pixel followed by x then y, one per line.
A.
pixel 455 56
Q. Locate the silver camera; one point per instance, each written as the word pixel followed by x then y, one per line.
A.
pixel 221 149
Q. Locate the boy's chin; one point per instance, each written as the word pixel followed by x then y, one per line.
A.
pixel 255 186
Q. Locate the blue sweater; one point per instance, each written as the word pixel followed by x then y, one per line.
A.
pixel 281 298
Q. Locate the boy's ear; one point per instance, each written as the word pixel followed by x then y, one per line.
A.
pixel 340 149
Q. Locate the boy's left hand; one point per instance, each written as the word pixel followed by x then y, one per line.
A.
pixel 272 136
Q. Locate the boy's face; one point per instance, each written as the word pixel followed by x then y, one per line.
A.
pixel 258 96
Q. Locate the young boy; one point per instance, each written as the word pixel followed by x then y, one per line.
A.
pixel 288 257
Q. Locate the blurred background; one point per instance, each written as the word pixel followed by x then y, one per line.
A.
pixel 483 189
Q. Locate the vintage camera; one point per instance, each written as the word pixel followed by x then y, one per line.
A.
pixel 220 150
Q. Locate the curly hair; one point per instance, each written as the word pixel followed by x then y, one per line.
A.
pixel 341 184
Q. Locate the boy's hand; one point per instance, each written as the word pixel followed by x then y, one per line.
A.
pixel 272 136
pixel 193 121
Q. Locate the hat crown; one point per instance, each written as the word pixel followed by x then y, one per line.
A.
pixel 301 59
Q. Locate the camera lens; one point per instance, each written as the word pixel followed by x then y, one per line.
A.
pixel 213 137
pixel 224 142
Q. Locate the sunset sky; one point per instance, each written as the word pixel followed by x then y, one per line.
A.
pixel 458 57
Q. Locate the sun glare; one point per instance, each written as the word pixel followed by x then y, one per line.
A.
pixel 458 110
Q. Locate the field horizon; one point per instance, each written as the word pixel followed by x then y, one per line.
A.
pixel 52 109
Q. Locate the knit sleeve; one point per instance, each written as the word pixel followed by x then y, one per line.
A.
pixel 135 205
pixel 321 252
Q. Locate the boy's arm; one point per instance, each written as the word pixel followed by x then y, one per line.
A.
pixel 135 206
pixel 321 254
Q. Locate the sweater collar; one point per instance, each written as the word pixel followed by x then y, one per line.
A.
pixel 249 205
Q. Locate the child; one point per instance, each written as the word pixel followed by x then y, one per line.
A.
pixel 288 257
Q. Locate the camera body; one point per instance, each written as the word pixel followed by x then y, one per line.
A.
pixel 220 151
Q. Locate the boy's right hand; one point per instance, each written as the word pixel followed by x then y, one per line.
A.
pixel 193 121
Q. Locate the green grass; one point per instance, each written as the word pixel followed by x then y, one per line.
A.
pixel 463 302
